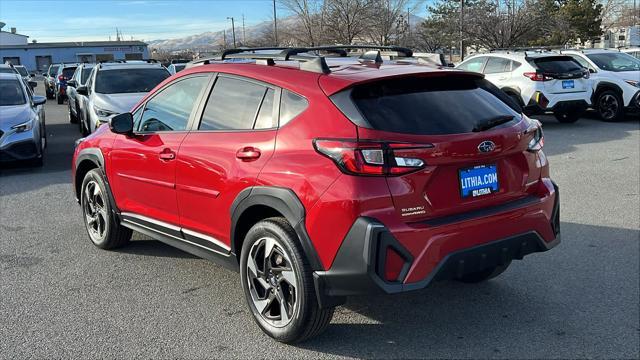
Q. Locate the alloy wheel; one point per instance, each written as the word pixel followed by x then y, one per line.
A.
pixel 608 106
pixel 272 282
pixel 95 211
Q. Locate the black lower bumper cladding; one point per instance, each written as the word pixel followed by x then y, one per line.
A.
pixel 358 266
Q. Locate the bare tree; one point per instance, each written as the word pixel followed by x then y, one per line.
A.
pixel 310 15
pixel 347 19
pixel 386 19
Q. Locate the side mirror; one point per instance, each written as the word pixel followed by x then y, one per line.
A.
pixel 44 74
pixel 122 124
pixel 33 84
pixel 592 71
pixel 72 83
pixel 83 90
pixel 33 74
pixel 39 100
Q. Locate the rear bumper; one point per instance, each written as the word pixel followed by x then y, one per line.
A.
pixel 359 266
pixel 558 106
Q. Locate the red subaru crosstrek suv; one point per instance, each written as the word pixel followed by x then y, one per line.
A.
pixel 319 178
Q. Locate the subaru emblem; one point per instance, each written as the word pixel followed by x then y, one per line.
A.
pixel 486 146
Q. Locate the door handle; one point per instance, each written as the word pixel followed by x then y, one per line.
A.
pixel 167 154
pixel 248 153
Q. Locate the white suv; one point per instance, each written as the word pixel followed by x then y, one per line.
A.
pixel 114 88
pixel 538 81
pixel 616 81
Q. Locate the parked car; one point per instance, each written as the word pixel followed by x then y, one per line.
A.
pixel 65 72
pixel 320 180
pixel 174 68
pixel 540 81
pixel 22 121
pixel 8 69
pixel 114 88
pixel 50 80
pixel 78 102
pixel 633 51
pixel 616 81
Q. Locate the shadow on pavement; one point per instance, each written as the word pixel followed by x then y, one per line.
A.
pixel 452 319
pixel 145 246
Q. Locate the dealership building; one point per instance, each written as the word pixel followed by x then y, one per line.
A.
pixel 37 57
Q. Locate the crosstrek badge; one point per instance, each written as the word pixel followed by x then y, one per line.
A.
pixel 478 180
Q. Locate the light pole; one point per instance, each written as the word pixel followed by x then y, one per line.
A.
pixel 233 30
pixel 275 24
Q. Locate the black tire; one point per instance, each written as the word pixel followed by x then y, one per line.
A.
pixel 60 99
pixel 73 118
pixel 307 319
pixel 49 94
pixel 610 106
pixel 82 125
pixel 484 275
pixel 113 235
pixel 516 99
pixel 567 117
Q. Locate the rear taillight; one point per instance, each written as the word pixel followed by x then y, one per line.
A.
pixel 370 158
pixel 535 76
pixel 537 141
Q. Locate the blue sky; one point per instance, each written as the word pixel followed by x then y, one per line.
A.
pixel 84 20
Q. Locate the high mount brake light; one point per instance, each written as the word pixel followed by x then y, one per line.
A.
pixel 534 76
pixel 370 158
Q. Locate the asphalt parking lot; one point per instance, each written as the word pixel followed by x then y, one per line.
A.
pixel 60 296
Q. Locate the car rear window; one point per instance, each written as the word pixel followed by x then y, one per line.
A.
pixel 68 72
pixel 431 106
pixel 557 64
pixel 119 81
pixel 12 93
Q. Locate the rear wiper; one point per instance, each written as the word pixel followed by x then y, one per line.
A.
pixel 493 122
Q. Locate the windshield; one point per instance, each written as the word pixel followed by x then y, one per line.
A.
pixel 85 74
pixel 438 106
pixel 129 80
pixel 12 93
pixel 53 70
pixel 22 71
pixel 615 61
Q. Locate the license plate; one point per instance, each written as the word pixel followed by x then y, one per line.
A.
pixel 478 180
pixel 567 84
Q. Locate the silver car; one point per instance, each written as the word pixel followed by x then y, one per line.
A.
pixel 114 88
pixel 22 121
pixel 78 102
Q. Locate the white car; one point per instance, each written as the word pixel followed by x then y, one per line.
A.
pixel 538 81
pixel 114 88
pixel 616 81
pixel 633 51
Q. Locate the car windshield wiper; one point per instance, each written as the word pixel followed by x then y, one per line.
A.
pixel 493 122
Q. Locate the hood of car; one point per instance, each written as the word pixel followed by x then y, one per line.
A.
pixel 13 115
pixel 623 75
pixel 119 103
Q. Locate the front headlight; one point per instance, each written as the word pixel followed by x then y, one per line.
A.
pixel 633 83
pixel 103 112
pixel 25 126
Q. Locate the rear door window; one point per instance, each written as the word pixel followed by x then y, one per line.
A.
pixel 434 106
pixel 497 65
pixel 234 104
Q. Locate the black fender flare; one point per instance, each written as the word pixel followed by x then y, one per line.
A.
pixel 602 86
pixel 287 203
pixel 95 156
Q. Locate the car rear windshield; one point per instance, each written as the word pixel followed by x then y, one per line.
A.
pixel 120 81
pixel 53 70
pixel 12 93
pixel 557 64
pixel 68 72
pixel 22 71
pixel 431 106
